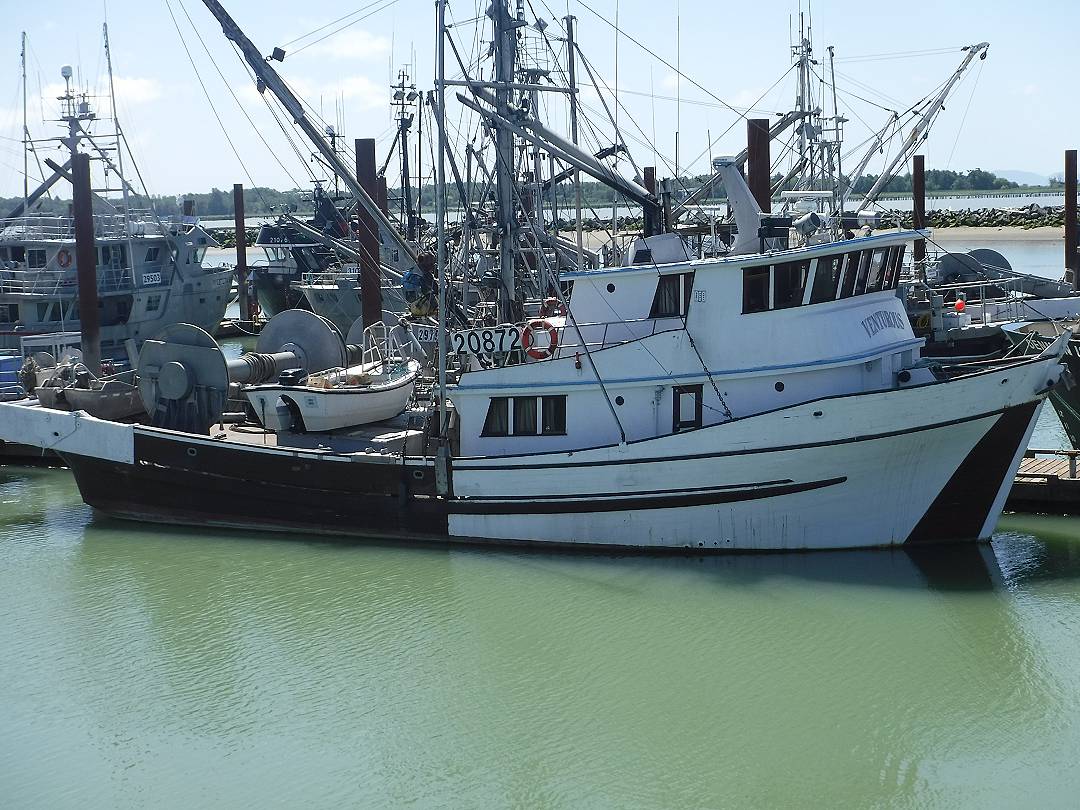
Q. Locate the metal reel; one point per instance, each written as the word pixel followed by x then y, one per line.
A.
pixel 992 261
pixel 957 267
pixel 314 340
pixel 183 379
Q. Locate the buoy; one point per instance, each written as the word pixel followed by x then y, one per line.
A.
pixel 961 304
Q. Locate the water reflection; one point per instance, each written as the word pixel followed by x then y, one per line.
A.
pixel 177 663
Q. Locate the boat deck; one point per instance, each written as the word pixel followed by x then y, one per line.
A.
pixel 1047 482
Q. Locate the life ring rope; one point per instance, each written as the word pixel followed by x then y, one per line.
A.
pixel 63 258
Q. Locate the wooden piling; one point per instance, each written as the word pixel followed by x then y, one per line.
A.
pixel 86 263
pixel 247 309
pixel 759 162
pixel 918 208
pixel 651 226
pixel 1072 260
pixel 370 269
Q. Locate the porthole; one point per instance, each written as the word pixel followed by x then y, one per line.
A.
pixel 779 387
pixel 611 288
pixel 418 475
pixel 191 451
pixel 619 400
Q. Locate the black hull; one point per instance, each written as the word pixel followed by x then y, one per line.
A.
pixel 276 294
pixel 239 487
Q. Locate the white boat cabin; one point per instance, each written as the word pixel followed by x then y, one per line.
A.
pixel 658 348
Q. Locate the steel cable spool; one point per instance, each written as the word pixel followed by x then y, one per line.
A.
pixel 184 377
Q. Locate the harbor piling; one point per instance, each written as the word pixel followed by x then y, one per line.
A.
pixel 1072 260
pixel 649 224
pixel 247 302
pixel 86 263
pixel 759 162
pixel 918 208
pixel 370 273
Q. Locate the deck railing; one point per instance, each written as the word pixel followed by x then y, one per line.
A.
pixel 54 283
pixel 57 228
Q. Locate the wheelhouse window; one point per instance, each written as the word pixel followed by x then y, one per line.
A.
pixel 876 276
pixel 851 270
pixel 789 283
pixel 35 258
pixel 893 265
pixel 152 254
pixel 826 279
pixel 686 407
pixel 672 299
pixel 756 289
pixel 520 416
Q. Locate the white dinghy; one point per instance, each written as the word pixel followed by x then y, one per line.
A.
pixel 376 389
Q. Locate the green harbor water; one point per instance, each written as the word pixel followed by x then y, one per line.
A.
pixel 168 668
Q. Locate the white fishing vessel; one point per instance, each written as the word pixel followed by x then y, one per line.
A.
pixel 655 405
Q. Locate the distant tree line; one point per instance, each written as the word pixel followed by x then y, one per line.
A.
pixel 260 201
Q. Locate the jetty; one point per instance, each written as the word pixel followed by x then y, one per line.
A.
pixel 1047 482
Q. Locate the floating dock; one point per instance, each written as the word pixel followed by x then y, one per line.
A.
pixel 1047 482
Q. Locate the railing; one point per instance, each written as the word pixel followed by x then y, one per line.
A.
pixel 53 283
pixel 106 226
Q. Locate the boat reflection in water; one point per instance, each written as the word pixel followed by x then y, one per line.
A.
pixel 175 661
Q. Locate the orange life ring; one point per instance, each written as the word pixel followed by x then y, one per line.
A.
pixel 528 338
pixel 63 258
pixel 552 307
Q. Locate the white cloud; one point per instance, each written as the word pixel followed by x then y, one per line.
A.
pixel 352 43
pixel 361 91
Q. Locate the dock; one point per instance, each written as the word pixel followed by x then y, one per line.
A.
pixel 1047 482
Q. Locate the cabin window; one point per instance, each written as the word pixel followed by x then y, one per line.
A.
pixel 826 279
pixel 9 313
pixel 112 257
pixel 524 416
pixel 497 422
pixel 549 412
pixel 18 253
pixel 672 299
pixel 755 289
pixel 3 254
pixel 894 263
pixel 789 283
pixel 152 254
pixel 851 270
pixel 643 256
pixel 864 272
pixel 152 303
pixel 875 279
pixel 553 416
pixel 686 407
pixel 35 258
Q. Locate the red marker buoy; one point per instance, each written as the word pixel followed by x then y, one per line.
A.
pixel 960 304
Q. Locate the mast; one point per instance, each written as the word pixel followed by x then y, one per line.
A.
pixel 571 45
pixel 26 133
pixel 119 151
pixel 440 210
pixel 269 79
pixel 505 47
pixel 933 109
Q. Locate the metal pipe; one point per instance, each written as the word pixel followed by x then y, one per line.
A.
pixel 241 251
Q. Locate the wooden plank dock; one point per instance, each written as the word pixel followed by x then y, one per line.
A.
pixel 1047 482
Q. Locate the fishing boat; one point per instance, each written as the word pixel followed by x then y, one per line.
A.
pixel 1037 336
pixel 653 404
pixel 150 269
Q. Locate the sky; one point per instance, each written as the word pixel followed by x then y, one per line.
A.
pixel 1011 112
